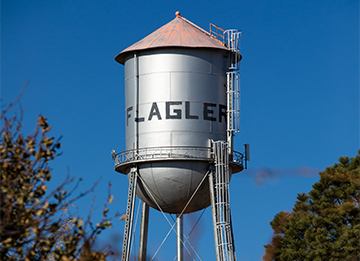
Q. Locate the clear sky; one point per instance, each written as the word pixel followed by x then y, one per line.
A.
pixel 299 103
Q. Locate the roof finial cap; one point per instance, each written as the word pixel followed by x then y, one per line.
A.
pixel 177 13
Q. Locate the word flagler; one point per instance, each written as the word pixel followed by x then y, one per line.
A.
pixel 179 110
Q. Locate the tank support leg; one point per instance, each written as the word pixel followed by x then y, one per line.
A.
pixel 144 231
pixel 220 203
pixel 129 215
pixel 213 211
pixel 179 242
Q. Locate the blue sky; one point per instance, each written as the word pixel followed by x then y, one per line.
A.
pixel 299 103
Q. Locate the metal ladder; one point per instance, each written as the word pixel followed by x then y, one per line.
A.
pixel 220 202
pixel 233 38
pixel 129 215
pixel 233 101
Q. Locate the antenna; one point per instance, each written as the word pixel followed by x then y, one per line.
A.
pixel 247 154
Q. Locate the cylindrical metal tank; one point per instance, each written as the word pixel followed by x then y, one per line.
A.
pixel 175 104
pixel 181 97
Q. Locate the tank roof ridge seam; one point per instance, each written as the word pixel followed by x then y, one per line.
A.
pixel 195 26
pixel 202 30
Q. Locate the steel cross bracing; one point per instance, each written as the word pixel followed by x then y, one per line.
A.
pixel 133 176
pixel 220 201
pixel 129 214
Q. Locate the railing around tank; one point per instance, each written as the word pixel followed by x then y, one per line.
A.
pixel 168 153
pixel 217 33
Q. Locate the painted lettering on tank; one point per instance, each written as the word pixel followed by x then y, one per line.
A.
pixel 187 112
pixel 128 115
pixel 154 111
pixel 222 112
pixel 141 119
pixel 208 111
pixel 174 110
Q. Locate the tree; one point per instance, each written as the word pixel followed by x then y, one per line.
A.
pixel 325 223
pixel 34 222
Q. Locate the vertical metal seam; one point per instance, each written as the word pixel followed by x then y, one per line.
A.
pixel 136 78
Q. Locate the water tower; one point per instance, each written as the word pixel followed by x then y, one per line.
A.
pixel 182 95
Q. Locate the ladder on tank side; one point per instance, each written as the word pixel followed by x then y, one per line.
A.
pixel 220 202
pixel 233 38
pixel 219 178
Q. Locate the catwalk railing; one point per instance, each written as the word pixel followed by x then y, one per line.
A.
pixel 170 153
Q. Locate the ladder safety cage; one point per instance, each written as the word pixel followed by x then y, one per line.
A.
pixel 233 101
pixel 232 39
pixel 220 179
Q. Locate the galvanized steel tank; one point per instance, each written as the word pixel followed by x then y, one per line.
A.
pixel 175 104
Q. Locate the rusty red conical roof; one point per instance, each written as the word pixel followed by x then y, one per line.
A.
pixel 177 33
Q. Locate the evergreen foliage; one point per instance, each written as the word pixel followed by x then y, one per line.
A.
pixel 325 223
pixel 34 222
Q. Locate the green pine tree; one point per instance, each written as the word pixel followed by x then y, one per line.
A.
pixel 325 223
